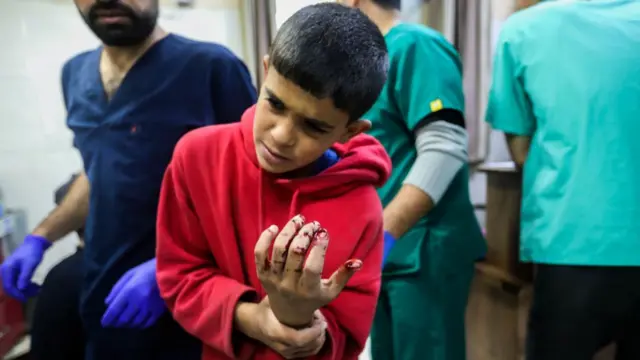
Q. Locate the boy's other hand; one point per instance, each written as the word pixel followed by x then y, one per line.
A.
pixel 295 286
pixel 289 342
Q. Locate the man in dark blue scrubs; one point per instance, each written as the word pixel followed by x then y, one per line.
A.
pixel 128 103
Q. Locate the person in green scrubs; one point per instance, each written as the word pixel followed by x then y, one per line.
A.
pixel 432 237
pixel 566 91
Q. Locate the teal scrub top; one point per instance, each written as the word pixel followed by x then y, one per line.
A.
pixel 425 76
pixel 568 76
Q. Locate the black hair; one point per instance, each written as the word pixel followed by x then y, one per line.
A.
pixel 333 51
pixel 388 4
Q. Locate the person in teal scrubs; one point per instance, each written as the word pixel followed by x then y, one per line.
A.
pixel 432 237
pixel 566 91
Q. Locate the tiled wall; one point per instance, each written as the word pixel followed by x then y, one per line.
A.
pixel 36 37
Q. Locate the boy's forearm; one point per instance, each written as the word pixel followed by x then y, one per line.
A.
pixel 244 317
pixel 70 215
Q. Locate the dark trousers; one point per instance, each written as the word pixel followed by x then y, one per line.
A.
pixel 57 331
pixel 163 341
pixel 578 310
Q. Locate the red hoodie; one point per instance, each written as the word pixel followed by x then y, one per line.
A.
pixel 215 202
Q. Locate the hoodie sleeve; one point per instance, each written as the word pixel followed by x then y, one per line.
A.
pixel 350 315
pixel 200 298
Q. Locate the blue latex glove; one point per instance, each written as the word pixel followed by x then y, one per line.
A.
pixel 17 270
pixel 135 302
pixel 389 241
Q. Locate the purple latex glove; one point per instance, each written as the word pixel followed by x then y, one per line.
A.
pixel 135 302
pixel 389 241
pixel 17 270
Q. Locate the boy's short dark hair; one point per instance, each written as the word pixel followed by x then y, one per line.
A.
pixel 332 51
pixel 388 4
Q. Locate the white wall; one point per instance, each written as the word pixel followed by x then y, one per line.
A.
pixel 36 154
pixel 286 8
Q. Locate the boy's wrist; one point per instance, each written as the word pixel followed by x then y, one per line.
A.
pixel 289 317
pixel 244 318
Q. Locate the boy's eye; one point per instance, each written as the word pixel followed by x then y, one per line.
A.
pixel 276 105
pixel 315 128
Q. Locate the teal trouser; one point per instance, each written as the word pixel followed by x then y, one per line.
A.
pixel 421 316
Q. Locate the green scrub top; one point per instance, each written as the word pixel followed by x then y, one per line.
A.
pixel 425 76
pixel 568 76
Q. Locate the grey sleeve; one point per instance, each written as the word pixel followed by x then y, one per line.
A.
pixel 442 151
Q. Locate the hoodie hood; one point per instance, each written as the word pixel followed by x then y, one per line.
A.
pixel 363 161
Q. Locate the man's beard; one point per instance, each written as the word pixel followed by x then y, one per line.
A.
pixel 131 33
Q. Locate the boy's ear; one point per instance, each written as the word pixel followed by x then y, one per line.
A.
pixel 354 128
pixel 265 64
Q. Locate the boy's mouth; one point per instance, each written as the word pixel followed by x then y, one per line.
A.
pixel 270 155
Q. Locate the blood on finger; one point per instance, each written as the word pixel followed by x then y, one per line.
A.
pixel 353 264
pixel 298 220
pixel 301 249
pixel 321 238
pixel 278 264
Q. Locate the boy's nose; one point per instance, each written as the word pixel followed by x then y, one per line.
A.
pixel 283 135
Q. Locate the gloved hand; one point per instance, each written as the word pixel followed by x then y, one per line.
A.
pixel 17 270
pixel 389 241
pixel 135 302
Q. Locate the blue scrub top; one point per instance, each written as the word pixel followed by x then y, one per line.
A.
pixel 127 142
pixel 567 74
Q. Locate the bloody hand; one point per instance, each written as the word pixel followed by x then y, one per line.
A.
pixel 295 287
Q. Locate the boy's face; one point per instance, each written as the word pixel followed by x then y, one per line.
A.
pixel 293 128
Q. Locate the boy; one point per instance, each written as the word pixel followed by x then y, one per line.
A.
pixel 566 91
pixel 432 237
pixel 227 184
